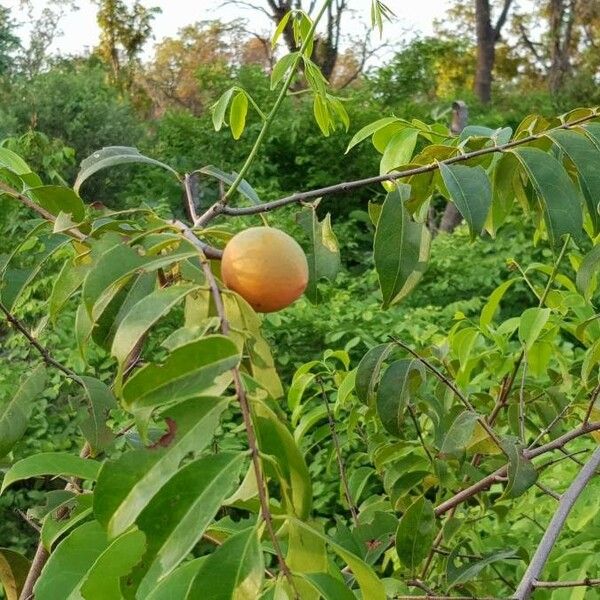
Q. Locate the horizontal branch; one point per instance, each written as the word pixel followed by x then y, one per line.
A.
pixel 587 582
pixel 347 186
pixel 556 525
pixel 45 354
pixel 498 474
pixel 430 597
pixel 29 203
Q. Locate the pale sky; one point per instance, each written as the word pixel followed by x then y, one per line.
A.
pixel 80 30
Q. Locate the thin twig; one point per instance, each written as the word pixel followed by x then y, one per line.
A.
pixel 552 423
pixel 557 522
pixel 413 416
pixel 591 405
pixel 548 491
pixel 394 176
pixel 522 402
pixel 27 520
pixel 503 399
pixel 451 598
pixel 207 250
pixel 38 209
pixel 486 482
pixel 338 453
pixel 451 386
pixel 421 585
pixel 45 354
pixel 190 200
pixel 569 456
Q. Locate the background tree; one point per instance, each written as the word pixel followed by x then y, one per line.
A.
pixel 123 33
pixel 488 35
pixel 327 43
pixel 9 42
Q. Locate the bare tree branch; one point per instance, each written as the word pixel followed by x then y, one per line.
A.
pixel 501 19
pixel 527 584
pixel 587 582
pixel 44 353
pixel 217 209
pixel 498 474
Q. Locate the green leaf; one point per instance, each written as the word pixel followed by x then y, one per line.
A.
pixel 324 256
pixel 368 130
pixel 244 187
pixel 505 170
pixel 280 28
pixel 16 410
pixel 306 553
pixel 399 150
pixel 329 587
pixel 415 533
pixel 13 569
pixel 459 434
pixel 188 371
pixel 78 552
pixel 491 306
pixel 321 113
pixel 235 570
pixel 370 585
pixel 590 360
pixel 86 565
pixel 367 373
pixel 115 266
pixel 522 473
pixel 144 315
pixel 469 571
pixel 111 156
pixel 471 192
pixel 219 109
pixel 300 384
pixel 67 282
pixel 275 439
pixel 103 580
pixel 126 485
pixel 237 114
pixel 51 463
pixel 587 273
pixel 105 328
pixel 65 517
pixel 57 199
pixel 179 514
pixel 399 383
pixel 558 195
pixel 586 157
pixel 281 68
pixel 100 401
pixel 177 584
pixel 531 325
pixel 13 162
pixel 401 249
pixel 15 279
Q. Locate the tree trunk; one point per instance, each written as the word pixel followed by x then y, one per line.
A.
pixel 451 218
pixel 486 43
pixel 561 32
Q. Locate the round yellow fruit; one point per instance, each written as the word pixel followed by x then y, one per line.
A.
pixel 265 266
